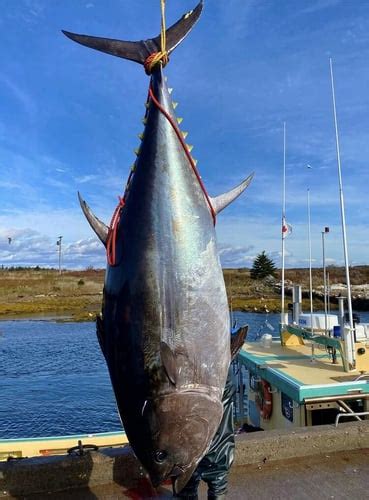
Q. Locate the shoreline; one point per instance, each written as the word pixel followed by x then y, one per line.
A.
pixel 39 317
pixel 46 295
pixel 70 318
pixel 65 317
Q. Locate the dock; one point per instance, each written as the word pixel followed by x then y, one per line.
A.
pixel 320 462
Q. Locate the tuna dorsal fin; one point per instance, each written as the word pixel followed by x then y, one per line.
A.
pixel 237 340
pixel 139 51
pixel 223 200
pixel 97 225
pixel 168 359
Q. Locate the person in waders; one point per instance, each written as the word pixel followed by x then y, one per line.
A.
pixel 214 467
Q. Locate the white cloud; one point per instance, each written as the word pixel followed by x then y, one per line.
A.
pixel 235 256
pixel 86 178
pixel 29 247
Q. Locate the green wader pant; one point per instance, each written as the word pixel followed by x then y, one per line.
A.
pixel 214 467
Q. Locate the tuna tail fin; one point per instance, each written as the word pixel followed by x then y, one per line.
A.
pixel 223 200
pixel 97 225
pixel 139 51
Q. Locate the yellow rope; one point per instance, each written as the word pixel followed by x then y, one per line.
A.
pixel 162 55
pixel 163 34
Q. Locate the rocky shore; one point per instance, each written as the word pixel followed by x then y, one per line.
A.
pixel 259 295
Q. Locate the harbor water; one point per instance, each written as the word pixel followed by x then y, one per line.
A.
pixel 54 379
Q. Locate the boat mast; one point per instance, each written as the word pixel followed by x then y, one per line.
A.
pixel 310 262
pixel 349 339
pixel 283 224
pixel 231 304
pixel 326 230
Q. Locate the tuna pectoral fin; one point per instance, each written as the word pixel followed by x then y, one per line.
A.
pixel 180 481
pixel 139 51
pixel 97 225
pixel 168 359
pixel 223 200
pixel 237 340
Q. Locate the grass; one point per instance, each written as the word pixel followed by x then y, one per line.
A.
pixel 31 292
pixel 77 295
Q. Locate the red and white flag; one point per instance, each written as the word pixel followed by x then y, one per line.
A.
pixel 286 228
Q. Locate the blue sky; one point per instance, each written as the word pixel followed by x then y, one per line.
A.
pixel 70 118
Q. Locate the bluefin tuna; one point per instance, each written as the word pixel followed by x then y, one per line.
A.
pixel 164 328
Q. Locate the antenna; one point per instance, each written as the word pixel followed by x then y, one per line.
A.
pixel 283 223
pixel 310 260
pixel 349 339
pixel 326 231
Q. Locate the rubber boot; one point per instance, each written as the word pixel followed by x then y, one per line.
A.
pixel 214 467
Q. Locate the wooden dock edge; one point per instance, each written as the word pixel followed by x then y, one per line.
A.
pixel 59 473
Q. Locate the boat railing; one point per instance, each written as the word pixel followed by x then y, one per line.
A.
pixel 363 375
pixel 357 415
pixel 240 398
pixel 323 340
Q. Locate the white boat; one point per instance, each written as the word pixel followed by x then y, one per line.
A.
pixel 58 445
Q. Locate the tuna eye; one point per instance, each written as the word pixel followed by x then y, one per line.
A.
pixel 160 456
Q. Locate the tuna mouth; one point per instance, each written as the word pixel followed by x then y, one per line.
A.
pixel 176 471
pixel 175 474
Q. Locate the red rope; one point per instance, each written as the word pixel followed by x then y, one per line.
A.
pixel 112 234
pixel 185 149
pixel 113 228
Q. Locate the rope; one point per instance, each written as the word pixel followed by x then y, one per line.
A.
pixel 113 228
pixel 112 234
pixel 185 149
pixel 161 56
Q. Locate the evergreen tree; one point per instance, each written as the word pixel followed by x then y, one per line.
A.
pixel 262 267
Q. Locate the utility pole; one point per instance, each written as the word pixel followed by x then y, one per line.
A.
pixel 59 243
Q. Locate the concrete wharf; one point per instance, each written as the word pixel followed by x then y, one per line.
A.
pixel 322 462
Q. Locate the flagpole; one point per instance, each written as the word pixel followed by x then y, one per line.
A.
pixel 283 224
pixel 350 338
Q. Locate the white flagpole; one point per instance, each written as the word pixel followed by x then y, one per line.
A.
pixel 283 223
pixel 350 340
